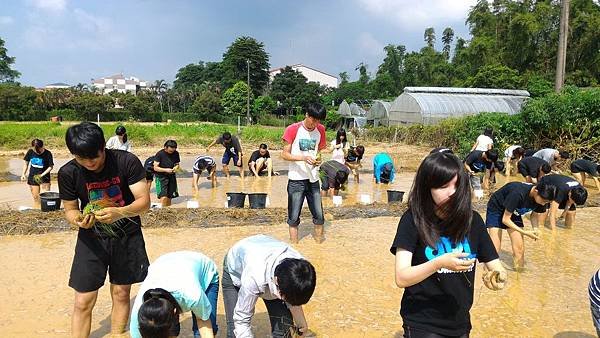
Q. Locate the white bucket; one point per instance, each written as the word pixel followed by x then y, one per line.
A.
pixel 337 201
pixel 365 199
pixel 193 204
pixel 155 205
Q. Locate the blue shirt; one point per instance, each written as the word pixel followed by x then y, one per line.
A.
pixel 186 275
pixel 379 161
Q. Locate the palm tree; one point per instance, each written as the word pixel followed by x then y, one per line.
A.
pixel 159 88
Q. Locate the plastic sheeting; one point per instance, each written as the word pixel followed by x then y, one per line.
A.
pixel 430 104
pixel 344 109
pixel 379 113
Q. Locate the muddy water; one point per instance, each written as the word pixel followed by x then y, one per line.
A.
pixel 14 194
pixel 355 295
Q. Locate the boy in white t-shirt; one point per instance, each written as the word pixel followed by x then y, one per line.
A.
pixel 303 142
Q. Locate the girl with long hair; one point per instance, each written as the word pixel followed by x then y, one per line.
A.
pixel 438 242
pixel 339 146
pixel 119 141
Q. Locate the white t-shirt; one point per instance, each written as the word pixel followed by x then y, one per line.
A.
pixel 483 142
pixel 306 143
pixel 339 153
pixel 115 143
pixel 508 153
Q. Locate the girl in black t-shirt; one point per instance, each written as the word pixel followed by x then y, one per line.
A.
pixel 438 241
pixel 38 163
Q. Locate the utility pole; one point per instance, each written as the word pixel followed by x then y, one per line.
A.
pixel 562 46
pixel 248 121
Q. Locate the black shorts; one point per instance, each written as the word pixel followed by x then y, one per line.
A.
pixel 564 204
pixel 575 169
pixel 45 180
pixel 149 176
pixel 125 259
pixel 166 186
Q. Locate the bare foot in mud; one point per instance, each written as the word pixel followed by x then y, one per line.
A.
pixel 319 239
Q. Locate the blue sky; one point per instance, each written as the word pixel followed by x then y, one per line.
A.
pixel 74 41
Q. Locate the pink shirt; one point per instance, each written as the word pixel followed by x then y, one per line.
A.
pixel 304 142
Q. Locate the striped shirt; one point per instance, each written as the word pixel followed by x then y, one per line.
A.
pixel 208 162
pixel 594 290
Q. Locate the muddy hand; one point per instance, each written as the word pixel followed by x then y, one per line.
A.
pixel 498 279
pixel 86 221
pixel 532 235
pixel 108 215
pixel 455 261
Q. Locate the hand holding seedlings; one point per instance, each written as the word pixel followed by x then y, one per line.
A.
pixel 86 221
pixel 108 215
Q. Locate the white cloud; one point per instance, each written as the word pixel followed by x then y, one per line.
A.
pixel 417 14
pixel 368 45
pixel 49 5
pixel 6 20
pixel 78 30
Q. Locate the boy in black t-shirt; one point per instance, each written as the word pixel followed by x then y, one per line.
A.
pixel 506 208
pixel 580 168
pixel 166 164
pixel 260 160
pixel 533 169
pixel 112 180
pixel 568 194
pixel 479 163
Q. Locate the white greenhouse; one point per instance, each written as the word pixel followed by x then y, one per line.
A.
pixel 428 105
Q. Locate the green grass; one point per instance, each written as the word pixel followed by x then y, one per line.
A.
pixel 17 135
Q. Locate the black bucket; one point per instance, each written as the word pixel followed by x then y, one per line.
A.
pixel 50 201
pixel 236 199
pixel 395 196
pixel 257 200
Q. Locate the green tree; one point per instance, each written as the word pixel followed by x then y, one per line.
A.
pixel 447 38
pixel 88 105
pixel 208 106
pixel 429 37
pixel 198 74
pixel 262 106
pixel 495 76
pixel 234 100
pixel 7 74
pixel 17 102
pixel 344 77
pixel 245 52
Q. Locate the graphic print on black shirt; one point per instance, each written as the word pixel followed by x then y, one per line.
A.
pixel 108 188
pixel 441 302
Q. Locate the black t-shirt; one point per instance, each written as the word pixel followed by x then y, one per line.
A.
pixel 563 185
pixel 38 162
pixel 476 162
pixel 514 198
pixel 166 160
pixel 256 155
pixel 233 147
pixel 352 156
pixel 441 302
pixel 110 187
pixel 330 169
pixel 530 166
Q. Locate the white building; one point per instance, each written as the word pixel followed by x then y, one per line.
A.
pixel 58 85
pixel 120 83
pixel 311 74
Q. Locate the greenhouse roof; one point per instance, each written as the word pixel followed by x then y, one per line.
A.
pixel 436 101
